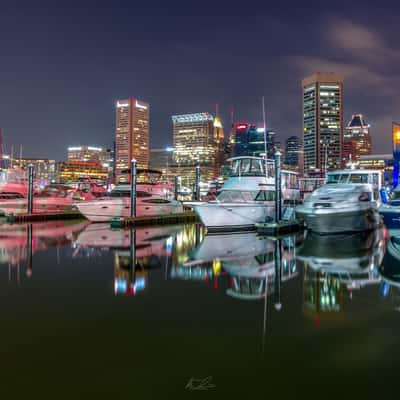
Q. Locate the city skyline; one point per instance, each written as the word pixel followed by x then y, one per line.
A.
pixel 69 91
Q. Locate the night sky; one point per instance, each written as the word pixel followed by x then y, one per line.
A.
pixel 64 64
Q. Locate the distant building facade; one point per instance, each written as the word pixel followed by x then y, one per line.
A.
pixel 131 136
pixel 357 139
pixel 383 162
pixel 322 122
pixel 44 169
pixel 248 140
pixel 293 152
pixel 73 171
pixel 196 142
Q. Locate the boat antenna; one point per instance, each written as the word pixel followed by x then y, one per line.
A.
pixel 265 136
pixel 20 155
pixel 11 156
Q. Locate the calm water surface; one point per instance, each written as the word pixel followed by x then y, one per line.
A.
pixel 162 312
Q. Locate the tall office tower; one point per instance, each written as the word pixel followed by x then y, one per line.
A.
pixel 219 138
pixel 88 153
pixel 194 140
pixel 293 150
pixel 322 122
pixel 357 139
pixel 131 136
pixel 249 140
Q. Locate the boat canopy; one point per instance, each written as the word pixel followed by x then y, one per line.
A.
pixel 252 166
pixel 373 177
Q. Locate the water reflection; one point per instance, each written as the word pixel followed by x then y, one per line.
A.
pixel 390 270
pixel 335 266
pixel 18 243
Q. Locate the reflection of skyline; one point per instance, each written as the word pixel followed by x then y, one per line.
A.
pixel 137 251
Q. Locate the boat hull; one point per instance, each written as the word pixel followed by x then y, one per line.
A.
pixel 105 210
pixel 328 222
pixel 40 206
pixel 391 216
pixel 233 216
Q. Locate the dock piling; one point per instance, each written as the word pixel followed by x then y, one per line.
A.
pixel 30 188
pixel 133 188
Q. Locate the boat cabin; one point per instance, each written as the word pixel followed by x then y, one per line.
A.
pixel 365 176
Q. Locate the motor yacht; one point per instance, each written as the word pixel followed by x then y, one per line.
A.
pixel 52 199
pixel 117 204
pixel 247 196
pixel 390 211
pixel 348 202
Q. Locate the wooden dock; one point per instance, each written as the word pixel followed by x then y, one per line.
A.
pixel 181 218
pixel 21 218
pixel 279 228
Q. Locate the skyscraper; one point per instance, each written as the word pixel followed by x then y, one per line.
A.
pixel 131 136
pixel 248 140
pixel 194 141
pixel 219 138
pixel 293 151
pixel 357 139
pixel 322 122
pixel 195 144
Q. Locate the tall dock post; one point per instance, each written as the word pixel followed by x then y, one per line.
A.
pixel 30 188
pixel 133 188
pixel 278 187
pixel 176 186
pixel 197 184
pixel 278 275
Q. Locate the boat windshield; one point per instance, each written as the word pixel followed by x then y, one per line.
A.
pixel 337 178
pixel 249 167
pixel 352 178
pixel 235 196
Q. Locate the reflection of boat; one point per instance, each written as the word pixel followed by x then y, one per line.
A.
pixel 352 258
pixel 347 203
pixel 117 204
pixel 249 261
pixel 150 241
pixel 14 238
pixel 247 196
pixel 53 198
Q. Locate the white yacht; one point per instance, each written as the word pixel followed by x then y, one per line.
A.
pixel 348 202
pixel 248 195
pixel 117 204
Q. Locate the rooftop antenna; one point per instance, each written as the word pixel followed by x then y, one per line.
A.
pixel 216 109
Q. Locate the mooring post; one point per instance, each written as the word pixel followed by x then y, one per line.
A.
pixel 278 274
pixel 197 184
pixel 29 240
pixel 30 188
pixel 278 187
pixel 176 186
pixel 133 188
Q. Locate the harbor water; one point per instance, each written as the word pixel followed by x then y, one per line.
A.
pixel 161 312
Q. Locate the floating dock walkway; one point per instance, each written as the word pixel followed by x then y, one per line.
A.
pixel 21 218
pixel 279 228
pixel 179 218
